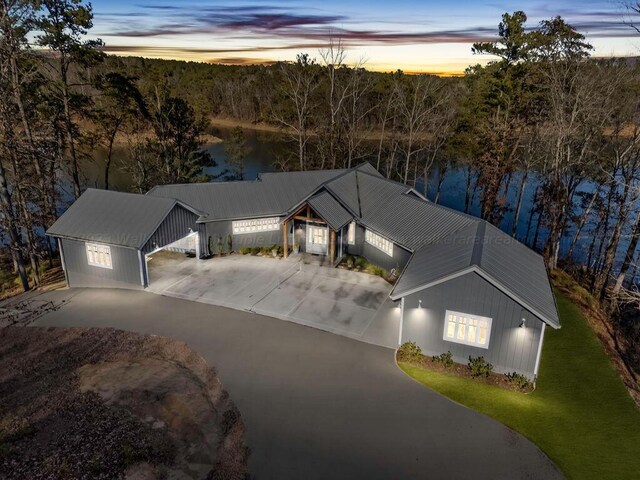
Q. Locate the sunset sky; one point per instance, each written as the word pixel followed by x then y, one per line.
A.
pixel 416 36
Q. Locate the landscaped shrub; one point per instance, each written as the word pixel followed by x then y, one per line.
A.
pixel 349 261
pixel 410 352
pixel 265 250
pixel 518 381
pixel 379 271
pixel 360 262
pixel 444 359
pixel 479 367
pixel 255 250
pixel 229 243
pixel 245 250
pixel 220 245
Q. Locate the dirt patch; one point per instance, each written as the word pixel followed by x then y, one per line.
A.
pixel 103 403
pixel 51 279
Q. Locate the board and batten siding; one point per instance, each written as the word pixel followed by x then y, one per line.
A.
pixel 179 223
pixel 224 228
pixel 511 348
pixel 361 248
pixel 124 274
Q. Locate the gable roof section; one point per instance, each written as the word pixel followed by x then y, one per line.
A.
pixel 271 194
pixel 408 220
pixel 484 249
pixel 114 218
pixel 330 210
pixel 345 187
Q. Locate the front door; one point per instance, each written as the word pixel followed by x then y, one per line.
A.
pixel 317 239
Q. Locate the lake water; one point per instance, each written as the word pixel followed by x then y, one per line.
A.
pixel 265 149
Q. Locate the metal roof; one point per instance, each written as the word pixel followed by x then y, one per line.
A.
pixel 444 242
pixel 114 218
pixel 390 209
pixel 330 210
pixel 484 249
pixel 271 194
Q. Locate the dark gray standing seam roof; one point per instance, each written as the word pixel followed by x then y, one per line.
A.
pixel 519 269
pixel 443 242
pixel 486 250
pixel 330 210
pixel 271 194
pixel 406 219
pixel 114 218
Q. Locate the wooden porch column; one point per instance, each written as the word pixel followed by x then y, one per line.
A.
pixel 332 246
pixel 285 238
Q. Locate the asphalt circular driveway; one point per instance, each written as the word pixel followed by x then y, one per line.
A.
pixel 318 405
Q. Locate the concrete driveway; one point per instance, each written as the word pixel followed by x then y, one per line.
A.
pixel 339 301
pixel 317 405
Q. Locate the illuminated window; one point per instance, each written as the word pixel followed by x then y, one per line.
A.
pixel 467 329
pixel 379 242
pixel 98 255
pixel 255 225
pixel 351 234
pixel 317 235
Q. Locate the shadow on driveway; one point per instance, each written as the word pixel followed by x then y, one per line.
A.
pixel 317 405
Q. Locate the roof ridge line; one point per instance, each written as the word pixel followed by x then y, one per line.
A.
pixel 478 246
pixel 424 199
pixel 358 195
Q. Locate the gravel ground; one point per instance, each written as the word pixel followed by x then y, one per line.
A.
pixel 103 403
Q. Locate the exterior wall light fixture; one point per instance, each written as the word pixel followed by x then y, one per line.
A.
pixel 523 323
pixel 419 303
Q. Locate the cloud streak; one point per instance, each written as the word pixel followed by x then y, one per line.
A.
pixel 275 22
pixel 171 31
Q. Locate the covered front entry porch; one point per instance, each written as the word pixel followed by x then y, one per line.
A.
pixel 318 227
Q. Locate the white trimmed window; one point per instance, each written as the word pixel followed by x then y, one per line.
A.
pixel 379 242
pixel 255 225
pixel 351 234
pixel 467 329
pixel 98 255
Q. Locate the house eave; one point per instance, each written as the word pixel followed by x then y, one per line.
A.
pixel 475 269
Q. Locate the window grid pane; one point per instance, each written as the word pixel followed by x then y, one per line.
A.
pixel 379 242
pixel 351 234
pixel 255 225
pixel 98 255
pixel 467 329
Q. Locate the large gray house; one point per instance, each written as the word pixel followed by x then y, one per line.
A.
pixel 464 286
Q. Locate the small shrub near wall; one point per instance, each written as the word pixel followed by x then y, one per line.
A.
pixel 409 352
pixel 444 359
pixel 480 367
pixel 255 250
pixel 245 250
pixel 520 382
pixel 376 270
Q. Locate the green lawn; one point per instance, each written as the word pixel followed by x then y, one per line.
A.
pixel 580 413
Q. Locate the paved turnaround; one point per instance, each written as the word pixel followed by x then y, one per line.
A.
pixel 318 405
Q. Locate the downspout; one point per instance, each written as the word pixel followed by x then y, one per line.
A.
pixel 197 234
pixel 539 354
pixel 62 262
pixel 143 269
pixel 401 321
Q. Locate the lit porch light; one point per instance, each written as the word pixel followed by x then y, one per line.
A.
pixel 523 323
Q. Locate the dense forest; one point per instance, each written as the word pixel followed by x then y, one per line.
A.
pixel 542 106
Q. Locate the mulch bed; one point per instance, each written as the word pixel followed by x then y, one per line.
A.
pixel 459 370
